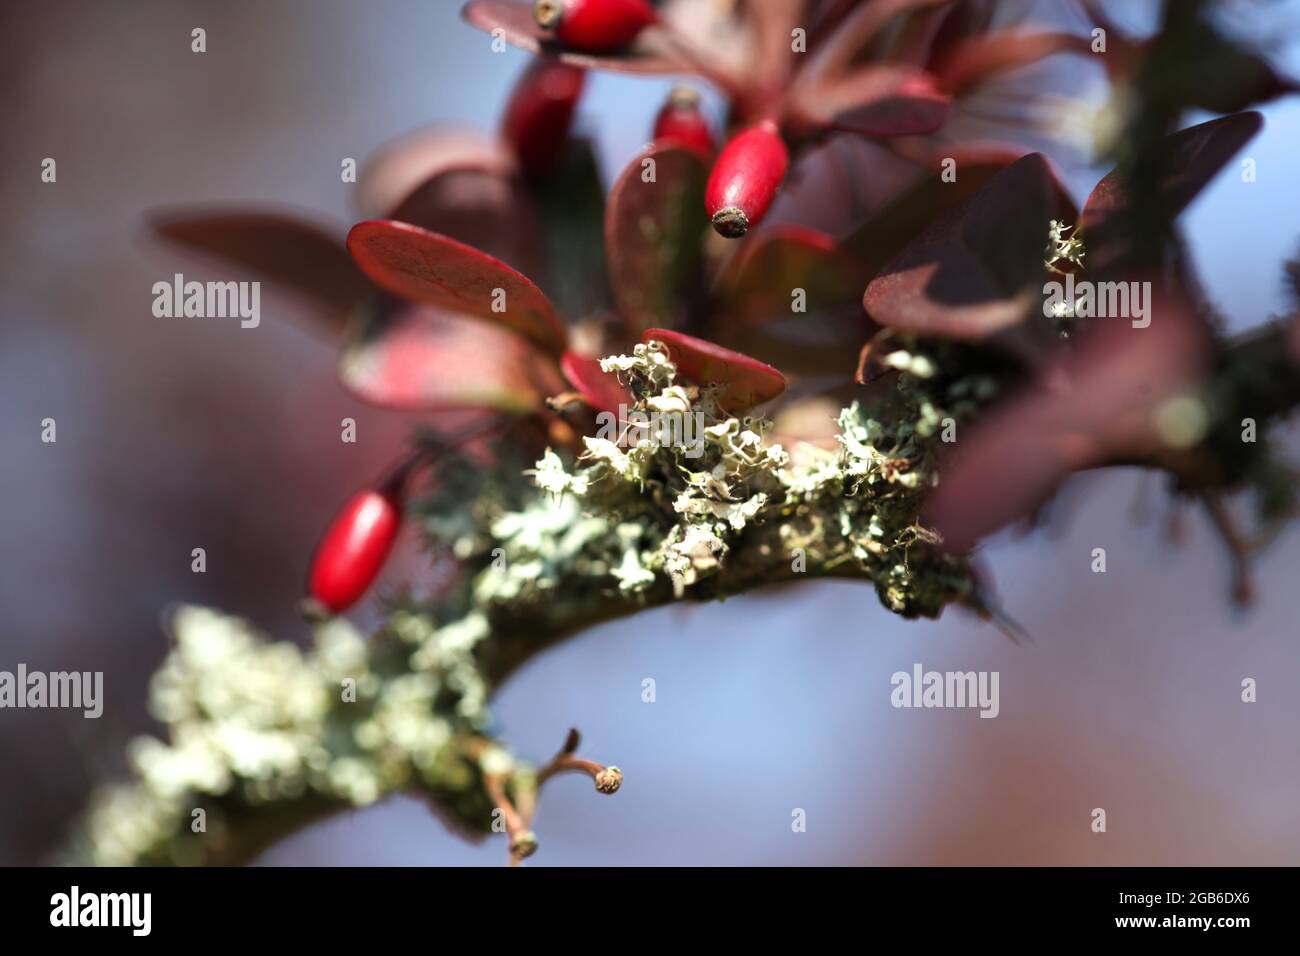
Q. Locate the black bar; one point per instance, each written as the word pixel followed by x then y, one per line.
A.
pixel 337 905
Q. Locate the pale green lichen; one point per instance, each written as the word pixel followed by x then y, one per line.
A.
pixel 259 731
pixel 1062 247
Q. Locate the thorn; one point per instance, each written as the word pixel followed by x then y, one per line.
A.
pixel 607 779
pixel 1237 545
pixel 571 741
pixel 1008 625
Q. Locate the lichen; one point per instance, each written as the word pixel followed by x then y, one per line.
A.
pixel 667 513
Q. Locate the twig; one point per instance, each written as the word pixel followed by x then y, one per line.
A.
pixel 607 779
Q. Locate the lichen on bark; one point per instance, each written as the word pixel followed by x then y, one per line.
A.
pixel 262 738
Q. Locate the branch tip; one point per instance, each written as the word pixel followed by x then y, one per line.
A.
pixel 609 780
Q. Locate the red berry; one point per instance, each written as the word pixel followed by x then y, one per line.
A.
pixel 681 120
pixel 540 112
pixel 595 26
pixel 355 547
pixel 745 179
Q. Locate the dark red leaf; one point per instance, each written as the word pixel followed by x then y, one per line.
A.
pixel 1096 405
pixel 759 284
pixel 874 101
pixel 979 268
pixel 390 177
pixel 653 236
pixel 599 388
pixel 962 20
pixel 647 55
pixel 849 41
pixel 890 228
pixel 773 21
pixel 275 247
pixel 480 208
pixel 1194 156
pixel 424 359
pixel 989 55
pixel 432 269
pixel 458 182
pixel 748 382
pixel 835 184
pixel 1242 79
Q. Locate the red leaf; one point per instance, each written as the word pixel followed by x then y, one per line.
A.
pixel 653 237
pixel 424 359
pixel 599 388
pixel 833 185
pixel 875 101
pixel 482 209
pixel 275 247
pixel 748 382
pixel 849 40
pixel 963 19
pixel 773 22
pixel 976 270
pixel 397 169
pixel 988 55
pixel 647 55
pixel 897 223
pixel 457 182
pixel 429 268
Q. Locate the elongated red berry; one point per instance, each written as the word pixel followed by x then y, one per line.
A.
pixel 540 112
pixel 355 547
pixel 745 178
pixel 594 26
pixel 682 120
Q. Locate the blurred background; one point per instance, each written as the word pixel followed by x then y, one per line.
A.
pixel 174 435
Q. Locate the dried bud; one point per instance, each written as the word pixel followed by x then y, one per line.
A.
pixel 594 26
pixel 540 112
pixel 745 179
pixel 609 780
pixel 523 845
pixel 682 120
